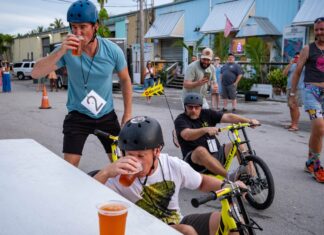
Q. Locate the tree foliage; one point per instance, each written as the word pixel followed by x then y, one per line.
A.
pixel 6 41
pixel 257 50
pixel 57 24
pixel 103 30
pixel 221 46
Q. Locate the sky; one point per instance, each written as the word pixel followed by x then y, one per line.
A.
pixel 22 16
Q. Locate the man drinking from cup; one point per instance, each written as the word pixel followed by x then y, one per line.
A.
pixel 158 183
pixel 90 100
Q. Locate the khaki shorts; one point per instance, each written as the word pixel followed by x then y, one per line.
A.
pixel 299 97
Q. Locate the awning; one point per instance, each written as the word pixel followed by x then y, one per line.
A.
pixel 169 25
pixel 236 11
pixel 309 11
pixel 258 26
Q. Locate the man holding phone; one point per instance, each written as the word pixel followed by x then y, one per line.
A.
pixel 199 75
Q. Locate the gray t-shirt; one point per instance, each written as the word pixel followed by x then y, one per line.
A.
pixel 229 72
pixel 195 72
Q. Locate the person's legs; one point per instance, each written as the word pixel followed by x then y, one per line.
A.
pixel 213 101
pixel 184 229
pixel 200 222
pixel 202 157
pixel 217 101
pixel 74 159
pixel 314 102
pixel 294 114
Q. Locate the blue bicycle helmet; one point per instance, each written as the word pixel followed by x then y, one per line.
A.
pixel 82 11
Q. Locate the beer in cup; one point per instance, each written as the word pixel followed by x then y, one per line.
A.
pixel 127 179
pixel 112 217
pixel 78 50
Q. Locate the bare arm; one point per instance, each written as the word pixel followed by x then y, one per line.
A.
pixel 238 79
pixel 210 183
pixel 47 64
pixel 233 118
pixel 126 88
pixel 299 68
pixel 286 70
pixel 188 84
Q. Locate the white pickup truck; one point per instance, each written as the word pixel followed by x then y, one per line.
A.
pixel 23 69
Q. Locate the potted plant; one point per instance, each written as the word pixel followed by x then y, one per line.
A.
pixel 278 80
pixel 244 86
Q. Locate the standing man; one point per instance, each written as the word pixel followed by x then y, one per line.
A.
pixel 196 133
pixel 193 58
pixel 294 110
pixel 199 75
pixel 231 74
pixel 90 99
pixel 312 57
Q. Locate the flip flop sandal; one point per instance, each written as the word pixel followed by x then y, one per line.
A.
pixel 287 126
pixel 293 129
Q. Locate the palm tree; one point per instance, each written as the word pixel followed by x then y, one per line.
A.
pixel 57 24
pixel 40 29
pixel 257 50
pixel 221 46
pixel 103 30
pixel 6 41
pixel 102 2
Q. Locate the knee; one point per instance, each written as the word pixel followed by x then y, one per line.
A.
pixel 199 154
pixel 185 229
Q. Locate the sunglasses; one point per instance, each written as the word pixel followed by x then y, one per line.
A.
pixel 320 19
pixel 191 107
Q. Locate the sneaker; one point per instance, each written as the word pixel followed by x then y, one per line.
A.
pixel 309 168
pixel 319 175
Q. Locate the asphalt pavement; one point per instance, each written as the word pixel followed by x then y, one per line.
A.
pixel 299 198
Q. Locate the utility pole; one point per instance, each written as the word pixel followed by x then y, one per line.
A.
pixel 141 41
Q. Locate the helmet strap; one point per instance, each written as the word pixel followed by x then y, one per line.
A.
pixel 147 175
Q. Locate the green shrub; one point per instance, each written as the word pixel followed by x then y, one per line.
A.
pixel 245 84
pixel 277 79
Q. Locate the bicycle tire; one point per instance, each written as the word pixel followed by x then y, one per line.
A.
pixel 260 184
pixel 243 215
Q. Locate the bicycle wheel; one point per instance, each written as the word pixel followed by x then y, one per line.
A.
pixel 240 215
pixel 259 182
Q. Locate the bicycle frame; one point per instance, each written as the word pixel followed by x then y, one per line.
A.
pixel 234 128
pixel 231 220
pixel 115 152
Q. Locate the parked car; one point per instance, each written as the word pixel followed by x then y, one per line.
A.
pixel 23 69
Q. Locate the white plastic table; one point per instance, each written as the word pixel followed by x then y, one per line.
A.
pixel 42 194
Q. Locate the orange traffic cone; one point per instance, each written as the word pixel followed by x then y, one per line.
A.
pixel 45 103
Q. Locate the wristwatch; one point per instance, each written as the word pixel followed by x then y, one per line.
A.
pixel 292 94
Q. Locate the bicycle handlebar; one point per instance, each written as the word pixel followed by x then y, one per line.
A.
pixel 237 126
pixel 104 134
pixel 196 202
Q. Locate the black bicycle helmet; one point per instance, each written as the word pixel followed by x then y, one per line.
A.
pixel 82 11
pixel 193 98
pixel 140 133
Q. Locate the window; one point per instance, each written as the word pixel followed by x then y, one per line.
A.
pixel 17 65
pixel 26 65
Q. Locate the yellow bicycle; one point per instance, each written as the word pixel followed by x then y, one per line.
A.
pixel 234 217
pixel 253 171
pixel 115 151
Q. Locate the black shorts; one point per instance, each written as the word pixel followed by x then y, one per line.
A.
pixel 200 222
pixel 78 126
pixel 220 156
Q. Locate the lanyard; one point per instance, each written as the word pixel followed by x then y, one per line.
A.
pixel 85 80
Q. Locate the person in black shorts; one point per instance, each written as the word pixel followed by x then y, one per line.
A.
pixel 196 131
pixel 231 75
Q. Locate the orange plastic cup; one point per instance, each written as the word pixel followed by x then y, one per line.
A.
pixel 78 50
pixel 127 179
pixel 112 217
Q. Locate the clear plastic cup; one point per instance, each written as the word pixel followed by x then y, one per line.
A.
pixel 78 50
pixel 112 217
pixel 127 179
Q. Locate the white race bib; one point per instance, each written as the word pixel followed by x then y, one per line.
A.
pixel 93 102
pixel 212 145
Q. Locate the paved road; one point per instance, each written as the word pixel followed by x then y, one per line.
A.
pixel 298 204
